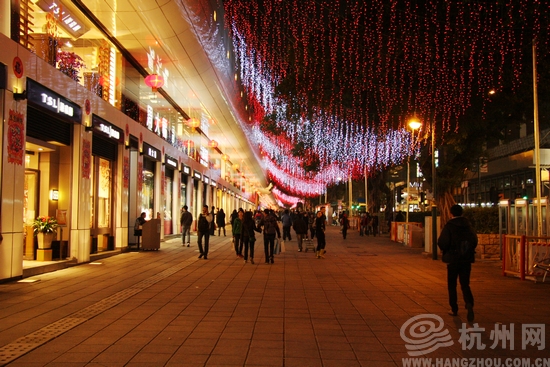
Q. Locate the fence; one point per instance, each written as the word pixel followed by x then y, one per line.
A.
pixel 521 253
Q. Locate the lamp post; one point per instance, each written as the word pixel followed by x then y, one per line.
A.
pixel 414 124
pixel 434 205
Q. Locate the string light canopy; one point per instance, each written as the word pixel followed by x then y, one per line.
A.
pixel 329 85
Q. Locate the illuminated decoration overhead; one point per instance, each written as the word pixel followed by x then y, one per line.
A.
pixel 225 157
pixel 154 81
pixel 329 86
pixel 213 144
pixel 193 122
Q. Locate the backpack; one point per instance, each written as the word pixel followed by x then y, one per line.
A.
pixel 203 225
pixel 462 248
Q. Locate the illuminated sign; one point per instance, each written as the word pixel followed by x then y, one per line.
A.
pixel 197 175
pixel 68 20
pixel 206 180
pixel 107 129
pixel 46 99
pixel 172 162
pixel 186 169
pixel 151 152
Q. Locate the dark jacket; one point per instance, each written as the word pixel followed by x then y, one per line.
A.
pixel 186 219
pixel 248 228
pixel 457 232
pixel 300 225
pixel 220 218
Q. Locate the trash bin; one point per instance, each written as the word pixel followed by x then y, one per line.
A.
pixel 417 237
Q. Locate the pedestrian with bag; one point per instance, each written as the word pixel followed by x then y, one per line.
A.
pixel 248 236
pixel 458 242
pixel 186 220
pixel 203 226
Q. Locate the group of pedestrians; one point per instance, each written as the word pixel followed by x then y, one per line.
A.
pixel 457 241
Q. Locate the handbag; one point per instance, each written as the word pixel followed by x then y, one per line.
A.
pixel 277 247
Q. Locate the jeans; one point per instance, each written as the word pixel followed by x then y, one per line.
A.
pixel 460 270
pixel 299 238
pixel 321 240
pixel 248 244
pixel 206 235
pixel 238 243
pixel 186 231
pixel 269 246
pixel 220 228
pixel 286 233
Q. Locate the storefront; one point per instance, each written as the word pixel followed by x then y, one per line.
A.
pixel 48 160
pixel 106 139
pixel 184 186
pixel 170 207
pixel 151 156
pixel 197 197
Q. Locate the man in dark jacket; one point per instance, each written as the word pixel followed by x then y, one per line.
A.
pixel 300 227
pixel 186 219
pixel 458 242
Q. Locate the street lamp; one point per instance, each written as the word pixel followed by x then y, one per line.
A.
pixel 414 124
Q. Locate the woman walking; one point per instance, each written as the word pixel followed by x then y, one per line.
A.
pixel 320 225
pixel 248 228
pixel 220 221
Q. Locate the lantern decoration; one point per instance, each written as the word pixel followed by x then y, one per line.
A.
pixel 235 166
pixel 154 81
pixel 225 157
pixel 213 144
pixel 193 122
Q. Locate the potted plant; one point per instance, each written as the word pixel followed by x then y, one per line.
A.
pixel 45 227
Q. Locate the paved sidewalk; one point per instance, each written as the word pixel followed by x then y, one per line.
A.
pixel 168 308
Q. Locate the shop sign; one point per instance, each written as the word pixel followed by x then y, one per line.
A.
pixel 172 162
pixel 186 169
pixel 69 21
pixel 213 183
pixel 206 180
pixel 103 127
pixel 42 97
pixel 151 152
pixel 197 175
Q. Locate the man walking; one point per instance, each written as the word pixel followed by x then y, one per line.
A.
pixel 203 227
pixel 458 242
pixel 186 219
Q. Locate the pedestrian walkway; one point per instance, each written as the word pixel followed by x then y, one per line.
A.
pixel 353 308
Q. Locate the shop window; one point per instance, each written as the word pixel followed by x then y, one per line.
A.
pixel 100 193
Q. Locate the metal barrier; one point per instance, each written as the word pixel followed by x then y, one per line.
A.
pixel 524 256
pixel 399 233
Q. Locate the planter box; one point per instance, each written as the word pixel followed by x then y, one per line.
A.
pixel 488 247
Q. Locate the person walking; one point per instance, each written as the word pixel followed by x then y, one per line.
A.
pixel 237 231
pixel 458 241
pixel 286 220
pixel 270 228
pixel 248 228
pixel 300 227
pixel 213 223
pixel 203 226
pixel 186 219
pixel 345 225
pixel 320 226
pixel 220 221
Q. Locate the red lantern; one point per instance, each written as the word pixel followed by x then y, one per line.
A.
pixel 154 81
pixel 193 122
